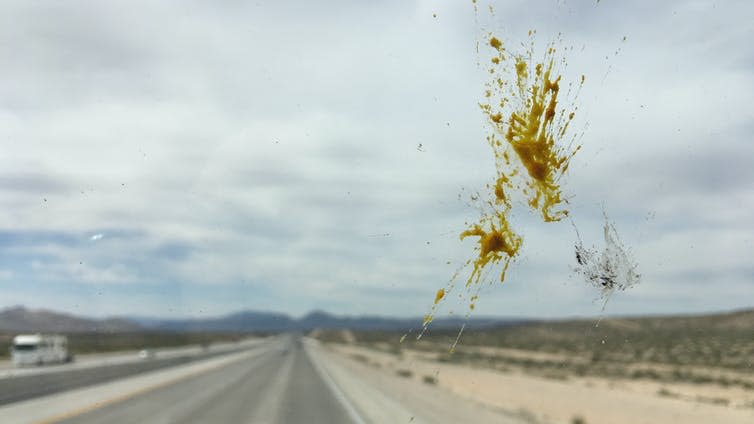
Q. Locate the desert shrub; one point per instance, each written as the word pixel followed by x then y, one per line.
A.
pixel 666 393
pixel 359 357
pixel 578 419
pixel 429 379
pixel 405 373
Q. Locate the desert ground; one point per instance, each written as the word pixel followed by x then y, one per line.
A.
pixel 541 399
pixel 617 371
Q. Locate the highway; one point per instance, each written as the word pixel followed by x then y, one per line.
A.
pixel 284 379
pixel 280 385
pixel 17 384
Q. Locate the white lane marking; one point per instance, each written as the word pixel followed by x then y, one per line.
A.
pixel 271 402
pixel 375 403
pixel 339 395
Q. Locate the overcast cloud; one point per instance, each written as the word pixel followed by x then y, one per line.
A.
pixel 194 158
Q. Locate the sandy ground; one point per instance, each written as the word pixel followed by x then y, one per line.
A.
pixel 537 399
pixel 384 397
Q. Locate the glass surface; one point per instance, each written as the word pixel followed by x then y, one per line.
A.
pixel 358 211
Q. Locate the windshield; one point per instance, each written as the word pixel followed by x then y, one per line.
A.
pixel 24 347
pixel 405 211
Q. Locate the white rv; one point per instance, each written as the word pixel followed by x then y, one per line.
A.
pixel 38 349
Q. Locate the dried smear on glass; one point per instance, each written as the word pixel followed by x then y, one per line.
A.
pixel 532 148
pixel 610 269
pixel 530 141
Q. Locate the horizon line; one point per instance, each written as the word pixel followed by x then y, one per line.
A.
pixel 378 316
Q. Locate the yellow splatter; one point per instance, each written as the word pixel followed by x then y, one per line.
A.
pixel 524 110
pixel 439 295
pixel 495 43
pixel 532 150
pixel 497 243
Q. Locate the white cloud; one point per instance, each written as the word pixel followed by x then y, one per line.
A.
pixel 230 143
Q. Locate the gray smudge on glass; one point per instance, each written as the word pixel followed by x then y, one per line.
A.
pixel 610 269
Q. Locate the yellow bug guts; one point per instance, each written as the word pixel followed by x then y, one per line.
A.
pixel 532 150
pixel 524 114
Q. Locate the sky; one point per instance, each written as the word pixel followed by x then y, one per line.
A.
pixel 190 158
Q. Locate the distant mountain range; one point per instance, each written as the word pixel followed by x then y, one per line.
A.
pixel 19 319
pixel 270 321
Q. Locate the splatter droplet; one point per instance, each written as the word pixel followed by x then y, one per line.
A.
pixel 439 295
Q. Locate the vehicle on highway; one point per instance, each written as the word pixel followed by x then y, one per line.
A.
pixel 146 354
pixel 39 349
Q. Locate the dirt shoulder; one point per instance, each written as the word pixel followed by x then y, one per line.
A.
pixel 539 399
pixel 386 396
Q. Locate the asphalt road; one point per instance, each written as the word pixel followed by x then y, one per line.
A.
pixel 31 383
pixel 281 385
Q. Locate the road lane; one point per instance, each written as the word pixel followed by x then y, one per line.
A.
pixel 93 360
pixel 308 399
pixel 285 380
pixel 56 407
pixel 31 383
pixel 278 386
